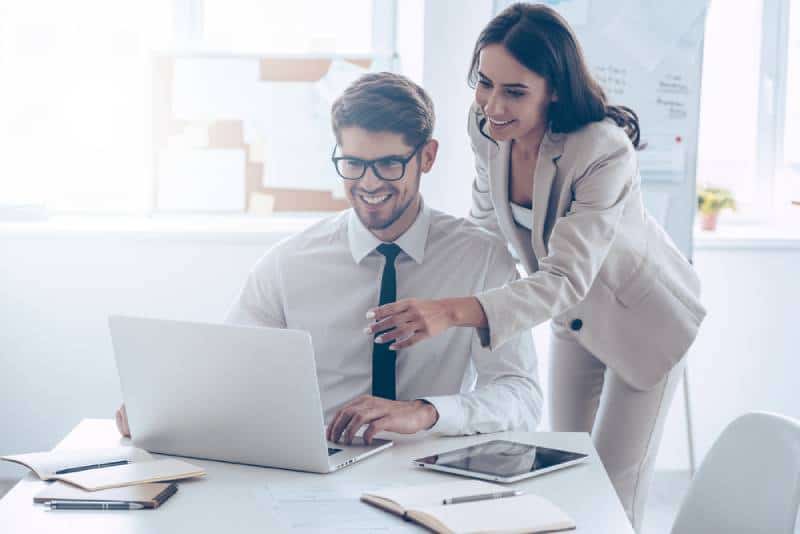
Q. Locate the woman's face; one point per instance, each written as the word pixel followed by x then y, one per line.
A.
pixel 513 97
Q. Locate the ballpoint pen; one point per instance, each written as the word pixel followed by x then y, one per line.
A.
pixel 93 466
pixel 481 497
pixel 86 505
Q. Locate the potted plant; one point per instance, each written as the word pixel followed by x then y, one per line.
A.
pixel 710 201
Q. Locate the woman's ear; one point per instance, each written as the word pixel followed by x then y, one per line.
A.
pixel 554 97
pixel 429 152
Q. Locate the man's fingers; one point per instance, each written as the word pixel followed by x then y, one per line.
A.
pixel 338 424
pixel 329 434
pixel 122 421
pixel 352 427
pixel 376 426
pixel 347 415
pixel 329 430
pixel 359 420
pixel 331 426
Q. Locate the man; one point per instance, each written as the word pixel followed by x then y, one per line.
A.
pixel 391 246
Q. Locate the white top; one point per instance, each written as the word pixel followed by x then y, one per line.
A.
pixel 324 279
pixel 522 216
pixel 246 499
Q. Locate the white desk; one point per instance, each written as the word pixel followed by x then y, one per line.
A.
pixel 237 498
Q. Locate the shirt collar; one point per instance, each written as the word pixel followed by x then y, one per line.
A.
pixel 412 242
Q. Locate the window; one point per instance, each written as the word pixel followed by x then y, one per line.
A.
pixel 749 138
pixel 728 139
pixel 789 169
pixel 288 27
pixel 74 102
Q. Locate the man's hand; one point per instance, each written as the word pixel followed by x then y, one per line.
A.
pixel 403 417
pixel 122 421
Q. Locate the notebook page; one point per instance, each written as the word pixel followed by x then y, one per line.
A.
pixel 526 513
pixel 45 464
pixel 433 494
pixel 135 473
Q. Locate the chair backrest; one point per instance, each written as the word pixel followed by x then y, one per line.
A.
pixel 748 482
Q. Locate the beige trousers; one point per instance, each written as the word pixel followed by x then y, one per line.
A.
pixel 626 424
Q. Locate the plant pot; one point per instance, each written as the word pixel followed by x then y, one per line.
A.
pixel 708 221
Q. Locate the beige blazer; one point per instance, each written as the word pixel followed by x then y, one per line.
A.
pixel 597 262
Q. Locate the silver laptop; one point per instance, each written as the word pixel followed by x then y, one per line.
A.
pixel 232 393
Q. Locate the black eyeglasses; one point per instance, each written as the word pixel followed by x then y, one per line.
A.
pixel 389 168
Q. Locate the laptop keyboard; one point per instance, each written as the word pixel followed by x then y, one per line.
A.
pixel 331 451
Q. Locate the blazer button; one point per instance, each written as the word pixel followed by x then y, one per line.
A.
pixel 576 324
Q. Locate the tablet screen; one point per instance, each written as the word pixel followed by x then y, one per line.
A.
pixel 502 458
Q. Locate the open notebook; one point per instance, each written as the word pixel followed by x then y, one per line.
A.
pixel 85 467
pixel 423 505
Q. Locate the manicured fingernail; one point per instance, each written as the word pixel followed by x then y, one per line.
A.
pixel 392 347
pixel 379 339
pixel 371 314
pixel 368 330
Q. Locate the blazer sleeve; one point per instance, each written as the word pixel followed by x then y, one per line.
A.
pixel 578 244
pixel 482 210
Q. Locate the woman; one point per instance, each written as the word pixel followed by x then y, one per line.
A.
pixel 557 177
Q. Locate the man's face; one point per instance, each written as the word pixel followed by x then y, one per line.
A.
pixel 380 203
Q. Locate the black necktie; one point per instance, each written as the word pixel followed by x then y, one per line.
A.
pixel 383 359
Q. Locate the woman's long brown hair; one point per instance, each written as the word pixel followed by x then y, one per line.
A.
pixel 541 40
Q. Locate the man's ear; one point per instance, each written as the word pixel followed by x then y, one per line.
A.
pixel 429 152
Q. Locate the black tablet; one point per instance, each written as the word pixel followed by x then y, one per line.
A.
pixel 501 461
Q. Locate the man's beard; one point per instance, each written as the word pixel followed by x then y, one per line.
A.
pixel 395 215
pixel 390 220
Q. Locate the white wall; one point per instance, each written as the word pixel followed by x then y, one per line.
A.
pixel 747 356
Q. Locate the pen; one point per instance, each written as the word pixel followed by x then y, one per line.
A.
pixel 481 497
pixel 94 466
pixel 74 505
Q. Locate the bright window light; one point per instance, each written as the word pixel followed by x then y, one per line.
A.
pixel 75 102
pixel 727 150
pixel 296 27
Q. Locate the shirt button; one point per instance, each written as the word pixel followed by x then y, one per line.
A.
pixel 576 324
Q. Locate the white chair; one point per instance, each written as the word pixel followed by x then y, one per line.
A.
pixel 749 482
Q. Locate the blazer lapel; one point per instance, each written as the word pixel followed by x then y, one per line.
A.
pixel 550 151
pixel 498 182
pixel 498 176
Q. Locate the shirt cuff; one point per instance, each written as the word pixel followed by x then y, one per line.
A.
pixel 451 415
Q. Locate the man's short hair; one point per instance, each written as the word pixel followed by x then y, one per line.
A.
pixel 385 102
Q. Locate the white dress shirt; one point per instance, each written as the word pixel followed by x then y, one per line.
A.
pixel 324 279
pixel 522 216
